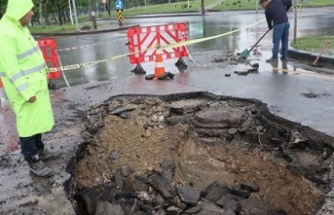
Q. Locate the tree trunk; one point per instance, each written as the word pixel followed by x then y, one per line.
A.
pixel 202 7
pixel 107 7
pixel 46 15
pixel 55 17
pixel 59 15
pixel 63 14
pixel 41 14
pixel 67 15
pixel 92 4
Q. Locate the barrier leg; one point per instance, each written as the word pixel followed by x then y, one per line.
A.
pixel 181 65
pixel 64 76
pixel 139 70
pixel 52 85
pixel 190 55
pixel 2 96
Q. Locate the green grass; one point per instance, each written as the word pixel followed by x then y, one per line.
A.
pixel 315 44
pixel 229 5
pixel 316 3
pixel 52 28
pixel 177 7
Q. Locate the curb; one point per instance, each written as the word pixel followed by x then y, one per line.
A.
pixel 309 57
pixel 162 15
pixel 83 32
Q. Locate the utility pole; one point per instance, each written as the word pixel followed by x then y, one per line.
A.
pixel 41 14
pixel 75 16
pixel 295 23
pixel 69 5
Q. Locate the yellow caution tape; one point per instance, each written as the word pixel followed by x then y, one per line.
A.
pixel 80 65
pixel 300 8
pixel 190 42
pixel 174 45
pixel 185 43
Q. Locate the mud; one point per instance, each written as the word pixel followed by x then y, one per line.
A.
pixel 208 138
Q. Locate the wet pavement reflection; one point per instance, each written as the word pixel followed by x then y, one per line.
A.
pixel 310 22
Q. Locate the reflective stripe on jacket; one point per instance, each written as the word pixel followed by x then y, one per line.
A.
pixel 23 72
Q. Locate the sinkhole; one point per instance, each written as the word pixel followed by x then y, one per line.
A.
pixel 196 153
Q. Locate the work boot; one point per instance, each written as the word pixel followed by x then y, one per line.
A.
pixel 271 60
pixel 46 155
pixel 40 169
pixel 283 58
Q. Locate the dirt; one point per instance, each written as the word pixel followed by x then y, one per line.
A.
pixel 147 135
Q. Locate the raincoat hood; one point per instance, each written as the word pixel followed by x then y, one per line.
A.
pixel 16 9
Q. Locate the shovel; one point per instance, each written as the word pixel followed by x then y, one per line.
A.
pixel 314 64
pixel 245 53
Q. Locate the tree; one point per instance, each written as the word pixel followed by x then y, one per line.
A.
pixel 92 7
pixel 107 6
pixel 202 7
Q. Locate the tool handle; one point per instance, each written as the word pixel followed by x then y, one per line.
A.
pixel 320 53
pixel 259 40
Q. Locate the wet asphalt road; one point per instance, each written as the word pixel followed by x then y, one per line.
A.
pixel 111 44
pixel 285 93
pixel 304 96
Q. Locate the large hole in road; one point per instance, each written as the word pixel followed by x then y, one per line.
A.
pixel 196 153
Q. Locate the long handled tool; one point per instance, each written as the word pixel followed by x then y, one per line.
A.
pixel 319 55
pixel 245 53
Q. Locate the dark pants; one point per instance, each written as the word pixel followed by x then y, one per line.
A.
pixel 281 34
pixel 31 147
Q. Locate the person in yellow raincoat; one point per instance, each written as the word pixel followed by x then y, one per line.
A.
pixel 23 72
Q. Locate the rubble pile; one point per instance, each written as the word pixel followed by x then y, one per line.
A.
pixel 196 154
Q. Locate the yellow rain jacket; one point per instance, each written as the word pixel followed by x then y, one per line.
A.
pixel 23 72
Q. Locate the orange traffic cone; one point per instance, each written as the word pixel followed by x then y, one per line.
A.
pixel 159 67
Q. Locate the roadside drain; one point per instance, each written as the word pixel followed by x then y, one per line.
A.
pixel 197 154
